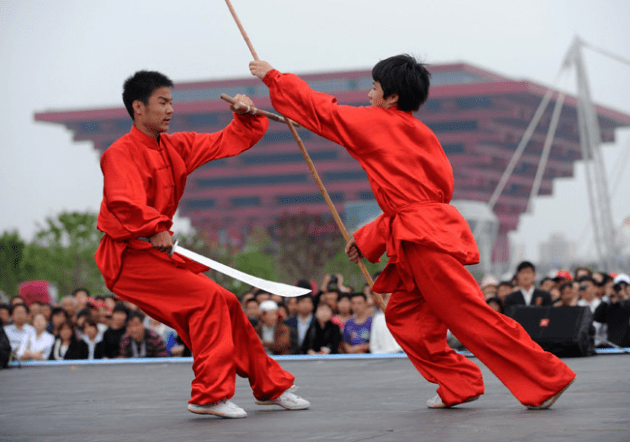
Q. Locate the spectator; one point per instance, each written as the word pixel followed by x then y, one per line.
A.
pixel 164 331
pixel 93 340
pixel 504 289
pixel 69 304
pixel 57 317
pixel 547 284
pixel 588 298
pixel 141 342
pixel 39 343
pixel 19 332
pixel 46 310
pixel 331 298
pixel 79 322
pixel 275 336
pixel 356 334
pixel 323 336
pixel 261 296
pixel 113 335
pixel 581 271
pixel 291 304
pixel 381 339
pixel 5 314
pixel 66 345
pixel 81 296
pixel 110 300
pixel 35 307
pixel 302 321
pixel 251 310
pixel 17 300
pixel 344 307
pixel 283 313
pixel 489 286
pixel 615 312
pixel 568 295
pixel 528 294
pixel 495 303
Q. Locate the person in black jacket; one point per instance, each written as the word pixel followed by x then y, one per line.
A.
pixel 66 345
pixel 528 294
pixel 113 335
pixel 616 313
pixel 323 336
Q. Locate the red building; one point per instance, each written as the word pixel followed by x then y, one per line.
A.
pixel 478 116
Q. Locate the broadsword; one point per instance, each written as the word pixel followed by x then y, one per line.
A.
pixel 276 288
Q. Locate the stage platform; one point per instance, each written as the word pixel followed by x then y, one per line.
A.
pixel 352 399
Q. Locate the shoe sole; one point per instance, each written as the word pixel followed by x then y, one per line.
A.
pixel 298 407
pixel 552 399
pixel 470 399
pixel 214 413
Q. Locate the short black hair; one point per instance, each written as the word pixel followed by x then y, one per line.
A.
pixel 525 265
pixel 120 307
pixel 303 297
pixel 20 304
pixel 355 294
pixel 587 278
pixel 135 315
pixel 56 310
pixel 405 76
pixel 141 85
pixel 506 283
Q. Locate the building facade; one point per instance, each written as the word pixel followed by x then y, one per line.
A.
pixel 478 116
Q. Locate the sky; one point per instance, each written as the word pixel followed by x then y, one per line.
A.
pixel 75 54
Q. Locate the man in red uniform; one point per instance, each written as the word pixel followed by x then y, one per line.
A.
pixel 145 174
pixel 427 240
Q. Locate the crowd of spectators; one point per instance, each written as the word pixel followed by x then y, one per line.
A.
pixel 333 319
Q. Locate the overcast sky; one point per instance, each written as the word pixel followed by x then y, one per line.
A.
pixel 75 54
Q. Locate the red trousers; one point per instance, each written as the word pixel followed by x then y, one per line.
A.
pixel 210 321
pixel 446 296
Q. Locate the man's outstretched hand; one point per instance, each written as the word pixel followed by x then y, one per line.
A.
pixel 259 68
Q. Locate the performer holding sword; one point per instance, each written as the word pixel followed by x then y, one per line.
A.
pixel 145 174
pixel 427 240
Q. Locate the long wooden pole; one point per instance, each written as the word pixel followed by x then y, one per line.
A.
pixel 254 110
pixel 311 166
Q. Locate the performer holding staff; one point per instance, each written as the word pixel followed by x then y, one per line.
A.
pixel 145 174
pixel 427 240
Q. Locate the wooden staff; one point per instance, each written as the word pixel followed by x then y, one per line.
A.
pixel 255 111
pixel 311 166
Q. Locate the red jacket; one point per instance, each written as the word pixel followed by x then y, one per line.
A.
pixel 144 180
pixel 410 175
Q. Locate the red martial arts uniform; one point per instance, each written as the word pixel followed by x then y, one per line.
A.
pixel 428 242
pixel 144 181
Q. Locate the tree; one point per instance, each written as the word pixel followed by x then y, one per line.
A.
pixel 11 262
pixel 62 253
pixel 353 277
pixel 305 244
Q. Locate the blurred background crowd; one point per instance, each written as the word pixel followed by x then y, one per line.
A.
pixel 334 318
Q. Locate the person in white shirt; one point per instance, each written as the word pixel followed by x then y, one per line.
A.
pixel 381 339
pixel 588 298
pixel 39 343
pixel 19 331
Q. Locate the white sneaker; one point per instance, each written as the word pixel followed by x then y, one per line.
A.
pixel 436 402
pixel 288 400
pixel 225 409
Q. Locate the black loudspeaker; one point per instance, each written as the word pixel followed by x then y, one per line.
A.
pixel 563 331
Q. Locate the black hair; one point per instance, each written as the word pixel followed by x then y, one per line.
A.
pixel 57 310
pixel 20 304
pixel 565 285
pixel 85 312
pixel 355 294
pixel 305 284
pixel 525 265
pixel 587 278
pixel 303 297
pixel 120 307
pixel 141 85
pixel 5 306
pixel 405 76
pixel 135 315
pixel 506 283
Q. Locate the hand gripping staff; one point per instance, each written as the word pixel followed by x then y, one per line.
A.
pixel 311 166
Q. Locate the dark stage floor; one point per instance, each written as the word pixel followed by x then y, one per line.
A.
pixel 373 399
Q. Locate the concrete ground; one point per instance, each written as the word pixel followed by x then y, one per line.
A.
pixel 374 399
